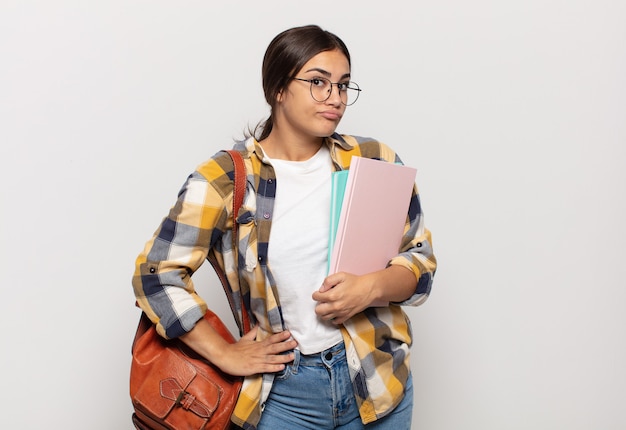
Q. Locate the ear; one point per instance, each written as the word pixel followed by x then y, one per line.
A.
pixel 279 96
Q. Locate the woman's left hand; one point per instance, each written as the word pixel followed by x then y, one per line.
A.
pixel 342 296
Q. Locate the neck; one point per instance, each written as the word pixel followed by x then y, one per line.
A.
pixel 291 148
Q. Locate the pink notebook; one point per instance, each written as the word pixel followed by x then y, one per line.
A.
pixel 374 211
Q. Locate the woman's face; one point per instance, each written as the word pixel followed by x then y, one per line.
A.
pixel 298 113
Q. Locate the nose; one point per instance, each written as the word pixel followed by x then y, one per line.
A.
pixel 335 96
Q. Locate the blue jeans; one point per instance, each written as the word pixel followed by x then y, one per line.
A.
pixel 315 392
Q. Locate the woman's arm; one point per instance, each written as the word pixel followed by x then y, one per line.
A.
pixel 245 357
pixel 163 277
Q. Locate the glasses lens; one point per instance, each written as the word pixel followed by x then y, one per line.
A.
pixel 320 89
pixel 350 94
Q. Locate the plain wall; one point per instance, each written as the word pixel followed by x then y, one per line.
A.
pixel 514 114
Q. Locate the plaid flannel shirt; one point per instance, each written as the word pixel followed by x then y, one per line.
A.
pixel 377 340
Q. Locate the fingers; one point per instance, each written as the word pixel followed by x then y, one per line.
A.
pixel 248 356
pixel 275 344
pixel 330 312
pixel 274 339
pixel 274 352
pixel 331 281
pixel 334 318
pixel 280 342
pixel 337 311
pixel 251 335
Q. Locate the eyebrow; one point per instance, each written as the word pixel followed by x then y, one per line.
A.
pixel 326 73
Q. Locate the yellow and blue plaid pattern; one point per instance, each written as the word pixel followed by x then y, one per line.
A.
pixel 377 340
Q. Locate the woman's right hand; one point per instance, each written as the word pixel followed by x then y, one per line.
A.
pixel 244 357
pixel 249 357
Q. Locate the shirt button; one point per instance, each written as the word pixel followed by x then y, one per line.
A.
pixel 266 215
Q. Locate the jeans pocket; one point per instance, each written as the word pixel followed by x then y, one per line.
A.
pixel 284 374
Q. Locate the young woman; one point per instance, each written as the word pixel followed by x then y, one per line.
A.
pixel 320 355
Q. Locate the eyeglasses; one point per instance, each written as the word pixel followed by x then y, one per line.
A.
pixel 322 88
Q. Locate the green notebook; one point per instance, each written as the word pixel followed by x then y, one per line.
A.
pixel 338 184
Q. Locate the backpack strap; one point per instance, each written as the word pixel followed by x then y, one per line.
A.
pixel 239 189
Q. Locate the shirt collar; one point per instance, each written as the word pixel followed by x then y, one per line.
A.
pixel 337 139
pixel 253 147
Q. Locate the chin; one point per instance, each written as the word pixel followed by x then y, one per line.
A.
pixel 327 132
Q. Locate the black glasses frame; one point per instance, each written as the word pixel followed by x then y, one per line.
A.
pixel 311 81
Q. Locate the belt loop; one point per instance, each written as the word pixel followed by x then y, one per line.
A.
pixel 296 362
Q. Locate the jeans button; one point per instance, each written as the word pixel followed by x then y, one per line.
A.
pixel 328 355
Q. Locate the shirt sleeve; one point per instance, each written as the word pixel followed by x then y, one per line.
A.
pixel 162 279
pixel 417 252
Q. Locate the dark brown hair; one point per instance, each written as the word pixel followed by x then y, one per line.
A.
pixel 286 54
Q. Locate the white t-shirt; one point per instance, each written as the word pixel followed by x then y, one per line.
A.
pixel 298 246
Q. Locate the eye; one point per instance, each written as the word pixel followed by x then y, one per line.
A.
pixel 318 82
pixel 343 86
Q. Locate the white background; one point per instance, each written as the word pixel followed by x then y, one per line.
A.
pixel 513 112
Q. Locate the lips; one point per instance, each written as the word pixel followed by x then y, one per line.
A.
pixel 331 115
